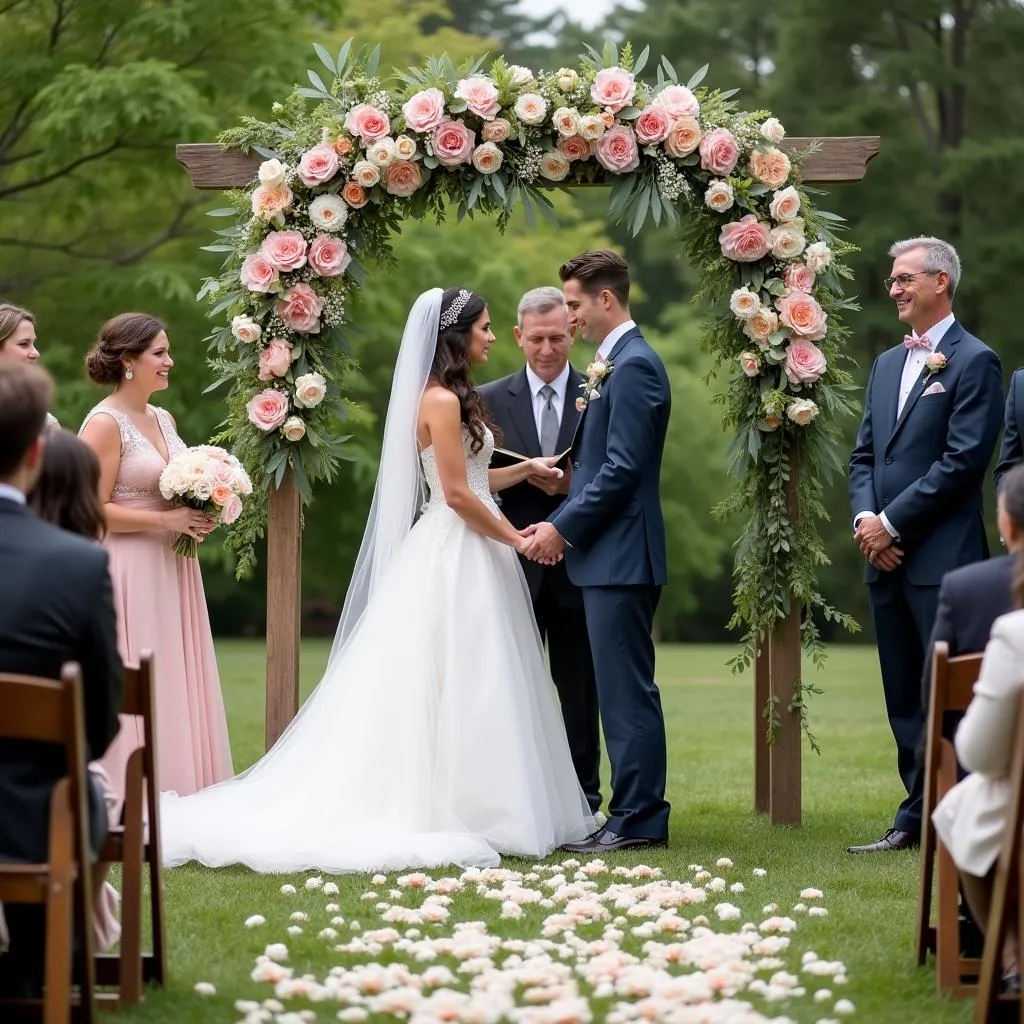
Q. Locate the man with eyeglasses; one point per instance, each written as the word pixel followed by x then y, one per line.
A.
pixel 933 408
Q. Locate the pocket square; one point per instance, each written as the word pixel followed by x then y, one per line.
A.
pixel 935 389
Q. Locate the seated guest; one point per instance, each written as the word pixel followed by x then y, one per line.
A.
pixel 971 817
pixel 56 605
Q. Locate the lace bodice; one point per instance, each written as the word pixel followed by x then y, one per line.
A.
pixel 476 471
pixel 138 475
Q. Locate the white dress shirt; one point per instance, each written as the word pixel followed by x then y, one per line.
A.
pixel 605 348
pixel 559 384
pixel 11 493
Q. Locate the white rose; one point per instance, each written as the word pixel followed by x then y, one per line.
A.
pixel 802 411
pixel 521 77
pixel 554 166
pixel 272 173
pixel 591 127
pixel 366 174
pixel 787 242
pixel 818 256
pixel 773 131
pixel 531 108
pixel 785 204
pixel 201 489
pixel 719 196
pixel 405 148
pixel 487 158
pixel 310 390
pixel 566 121
pixel 246 330
pixel 328 213
pixel 567 79
pixel 744 303
pixel 293 428
pixel 381 153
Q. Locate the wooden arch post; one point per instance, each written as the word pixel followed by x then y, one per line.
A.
pixel 777 776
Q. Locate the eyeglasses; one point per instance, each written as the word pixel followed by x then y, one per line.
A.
pixel 904 279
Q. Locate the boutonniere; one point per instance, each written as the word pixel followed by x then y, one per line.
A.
pixel 935 363
pixel 596 373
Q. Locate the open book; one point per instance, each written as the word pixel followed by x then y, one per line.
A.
pixel 502 457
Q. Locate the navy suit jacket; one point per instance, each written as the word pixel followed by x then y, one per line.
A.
pixel 612 519
pixel 1012 449
pixel 925 468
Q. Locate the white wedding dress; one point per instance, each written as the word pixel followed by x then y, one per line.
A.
pixel 435 736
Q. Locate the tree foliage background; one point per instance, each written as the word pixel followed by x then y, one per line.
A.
pixel 96 216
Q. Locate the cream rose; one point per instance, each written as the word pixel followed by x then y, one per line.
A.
pixel 683 137
pixel 270 202
pixel 805 362
pixel 531 108
pixel 382 152
pixel 591 127
pixel 405 148
pixel 310 390
pixel 403 178
pixel 802 315
pixel 750 364
pixel 787 242
pixel 328 213
pixel 802 411
pixel 554 166
pixel 771 168
pixel 293 428
pixel 567 79
pixel 366 174
pixel 246 330
pixel 272 173
pixel 521 77
pixel 613 89
pixel 785 204
pixel 719 196
pixel 773 131
pixel 566 121
pixel 487 158
pixel 497 130
pixel 818 256
pixel 744 303
pixel 761 326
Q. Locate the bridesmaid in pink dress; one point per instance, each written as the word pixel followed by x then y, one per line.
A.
pixel 158 594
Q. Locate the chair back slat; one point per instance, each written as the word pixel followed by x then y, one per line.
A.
pixel 34 709
pixel 961 674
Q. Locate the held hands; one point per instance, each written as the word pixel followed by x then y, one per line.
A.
pixel 189 521
pixel 876 544
pixel 545 476
pixel 541 543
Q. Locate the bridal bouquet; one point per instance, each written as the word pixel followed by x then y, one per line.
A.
pixel 209 480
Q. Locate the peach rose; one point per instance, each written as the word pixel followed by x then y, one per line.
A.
pixel 798 277
pixel 369 123
pixel 653 125
pixel 453 143
pixel 678 101
pixel 554 166
pixel 802 315
pixel 284 250
pixel 574 148
pixel 329 256
pixel 497 130
pixel 785 204
pixel 760 326
pixel 683 137
pixel 617 151
pixel 402 178
pixel 355 195
pixel 746 240
pixel 607 119
pixel 293 428
pixel 802 411
pixel 310 390
pixel 744 303
pixel 258 273
pixel 405 148
pixel 275 359
pixel 613 89
pixel 424 111
pixel 481 96
pixel 566 121
pixel 300 308
pixel 232 510
pixel 365 173
pixel 719 151
pixel 591 127
pixel 487 158
pixel 805 362
pixel 531 108
pixel 342 145
pixel 771 167
pixel 267 410
pixel 750 364
pixel 269 201
pixel 221 495
pixel 318 165
pixel 719 196
pixel 787 241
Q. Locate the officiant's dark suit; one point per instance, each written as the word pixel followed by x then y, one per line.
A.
pixel 1011 451
pixel 557 603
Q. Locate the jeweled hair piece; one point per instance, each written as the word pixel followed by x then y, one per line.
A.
pixel 450 317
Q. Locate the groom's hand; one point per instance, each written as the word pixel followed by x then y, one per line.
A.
pixel 552 485
pixel 546 545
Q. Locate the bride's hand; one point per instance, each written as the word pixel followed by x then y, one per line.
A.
pixel 544 468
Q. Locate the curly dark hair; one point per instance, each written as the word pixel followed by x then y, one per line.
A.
pixel 67 491
pixel 127 334
pixel 450 367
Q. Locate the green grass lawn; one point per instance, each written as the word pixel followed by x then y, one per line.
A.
pixel 850 793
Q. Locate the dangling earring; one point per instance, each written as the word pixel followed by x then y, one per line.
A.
pixel 129 373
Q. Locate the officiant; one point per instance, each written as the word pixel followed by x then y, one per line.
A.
pixel 535 410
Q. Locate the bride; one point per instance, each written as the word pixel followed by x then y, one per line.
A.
pixel 435 736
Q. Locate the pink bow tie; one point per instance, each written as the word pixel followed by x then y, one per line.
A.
pixel 912 341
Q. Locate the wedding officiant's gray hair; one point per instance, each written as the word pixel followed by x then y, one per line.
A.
pixel 540 300
pixel 938 255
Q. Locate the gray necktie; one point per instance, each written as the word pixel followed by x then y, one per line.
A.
pixel 548 422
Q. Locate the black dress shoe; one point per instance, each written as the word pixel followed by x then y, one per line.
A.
pixel 894 839
pixel 606 841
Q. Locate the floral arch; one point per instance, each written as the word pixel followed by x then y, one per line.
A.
pixel 347 158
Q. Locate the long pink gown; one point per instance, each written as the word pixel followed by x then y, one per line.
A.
pixel 161 607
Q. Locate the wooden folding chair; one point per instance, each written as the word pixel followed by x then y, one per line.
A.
pixel 1008 871
pixel 133 845
pixel 953 682
pixel 47 711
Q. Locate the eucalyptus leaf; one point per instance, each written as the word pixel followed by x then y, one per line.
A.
pixel 326 59
pixel 697 77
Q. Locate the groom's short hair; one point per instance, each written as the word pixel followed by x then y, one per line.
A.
pixel 599 269
pixel 25 396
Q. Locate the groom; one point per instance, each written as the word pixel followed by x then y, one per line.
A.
pixel 612 534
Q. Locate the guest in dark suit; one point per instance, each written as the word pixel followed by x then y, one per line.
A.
pixel 933 408
pixel 56 605
pixel 535 409
pixel 1012 449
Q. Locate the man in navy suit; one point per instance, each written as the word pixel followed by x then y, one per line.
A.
pixel 535 409
pixel 933 409
pixel 612 534
pixel 1012 449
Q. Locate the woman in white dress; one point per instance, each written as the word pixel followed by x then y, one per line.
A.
pixel 435 735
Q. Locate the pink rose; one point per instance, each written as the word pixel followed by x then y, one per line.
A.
pixel 284 250
pixel 481 96
pixel 653 126
pixel 402 178
pixel 613 89
pixel 267 411
pixel 616 150
pixel 805 362
pixel 275 359
pixel 424 111
pixel 453 143
pixel 369 123
pixel 771 168
pixel 746 240
pixel 798 277
pixel 355 195
pixel 300 308
pixel 232 510
pixel 269 201
pixel 678 101
pixel 683 137
pixel 329 256
pixel 497 130
pixel 719 151
pixel 802 315
pixel 750 364
pixel 318 166
pixel 574 148
pixel 258 274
